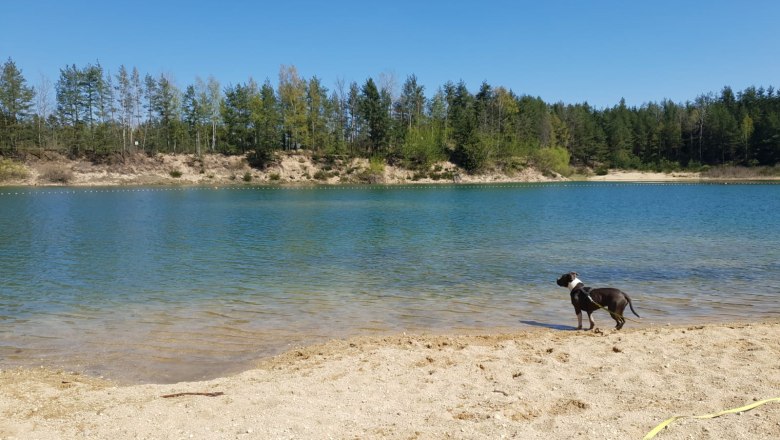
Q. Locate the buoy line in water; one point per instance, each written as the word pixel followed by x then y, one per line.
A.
pixel 84 190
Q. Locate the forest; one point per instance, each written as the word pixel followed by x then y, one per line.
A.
pixel 90 112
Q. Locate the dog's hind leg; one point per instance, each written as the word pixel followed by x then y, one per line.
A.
pixel 617 314
pixel 592 322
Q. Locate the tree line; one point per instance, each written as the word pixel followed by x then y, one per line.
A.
pixel 91 112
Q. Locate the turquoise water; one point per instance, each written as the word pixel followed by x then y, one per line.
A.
pixel 161 285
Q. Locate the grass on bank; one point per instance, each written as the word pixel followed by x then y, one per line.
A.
pixel 56 173
pixel 744 173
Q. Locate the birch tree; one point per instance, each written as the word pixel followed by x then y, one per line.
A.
pixel 292 98
pixel 126 104
pixel 214 105
pixel 42 107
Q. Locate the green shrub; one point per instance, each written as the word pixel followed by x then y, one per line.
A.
pixel 666 166
pixel 515 163
pixel 175 174
pixel 626 161
pixel 376 165
pixel 10 170
pixel 421 147
pixel 375 172
pixel 247 177
pixel 553 159
pixel 474 157
pixel 275 176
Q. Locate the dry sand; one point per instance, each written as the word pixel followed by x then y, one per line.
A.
pixel 645 176
pixel 536 384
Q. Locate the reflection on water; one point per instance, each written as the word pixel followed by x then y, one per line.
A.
pixel 168 285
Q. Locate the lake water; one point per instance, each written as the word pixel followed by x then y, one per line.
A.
pixel 169 284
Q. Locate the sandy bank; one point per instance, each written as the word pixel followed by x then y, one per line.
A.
pixel 53 169
pixel 645 176
pixel 537 384
pixel 297 168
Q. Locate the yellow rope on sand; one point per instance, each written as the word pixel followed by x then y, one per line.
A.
pixel 663 424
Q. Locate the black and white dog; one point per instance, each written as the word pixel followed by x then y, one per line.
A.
pixel 590 299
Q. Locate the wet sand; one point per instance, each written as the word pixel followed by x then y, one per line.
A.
pixel 535 384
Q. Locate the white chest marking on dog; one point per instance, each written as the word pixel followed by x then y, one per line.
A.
pixel 574 283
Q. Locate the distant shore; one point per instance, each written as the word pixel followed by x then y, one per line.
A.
pixel 287 169
pixel 216 169
pixel 534 384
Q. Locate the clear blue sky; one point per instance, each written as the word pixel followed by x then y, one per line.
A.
pixel 570 51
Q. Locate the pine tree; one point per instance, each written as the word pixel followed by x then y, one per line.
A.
pixel 373 109
pixel 316 97
pixel 267 121
pixel 70 107
pixel 16 99
pixel 354 121
pixel 237 115
pixel 150 98
pixel 193 111
pixel 464 127
pixel 167 104
pixel 411 104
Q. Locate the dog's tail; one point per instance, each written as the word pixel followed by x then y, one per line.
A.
pixel 631 305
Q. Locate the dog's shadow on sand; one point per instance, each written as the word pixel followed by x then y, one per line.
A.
pixel 548 325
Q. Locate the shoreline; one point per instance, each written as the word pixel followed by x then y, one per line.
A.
pixel 133 368
pixel 54 170
pixel 536 383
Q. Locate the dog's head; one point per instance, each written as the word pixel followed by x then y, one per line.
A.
pixel 566 279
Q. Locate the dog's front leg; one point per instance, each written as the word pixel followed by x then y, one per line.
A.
pixel 579 320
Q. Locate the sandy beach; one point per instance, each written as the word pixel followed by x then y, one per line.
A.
pixel 536 384
pixel 645 176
